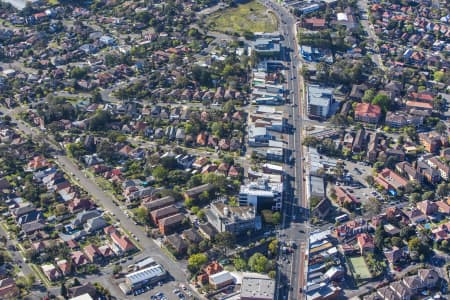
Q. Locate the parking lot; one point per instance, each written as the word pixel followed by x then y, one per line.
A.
pixel 168 290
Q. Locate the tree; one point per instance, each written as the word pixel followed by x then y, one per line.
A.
pixel 117 269
pixel 258 262
pixel 414 198
pixel 272 274
pixel 407 232
pixel 63 290
pixel 160 173
pixel 383 101
pixel 142 215
pixel 380 234
pixel 240 264
pixel 273 247
pixel 196 261
pixel 396 241
pixel 311 141
pixel 368 96
pixel 276 218
pixel 428 195
pixel 370 180
pixel 442 189
pixel 441 128
pixel 225 240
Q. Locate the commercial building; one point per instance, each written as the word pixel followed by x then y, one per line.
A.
pixel 143 278
pixel 253 288
pixel 261 194
pixel 320 100
pixel 267 47
pixel 234 219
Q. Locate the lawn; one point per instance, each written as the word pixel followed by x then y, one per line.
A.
pixel 249 17
pixel 359 267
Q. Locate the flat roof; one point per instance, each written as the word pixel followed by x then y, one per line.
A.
pixel 317 186
pixel 259 288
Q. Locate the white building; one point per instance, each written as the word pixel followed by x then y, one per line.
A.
pixel 234 219
pixel 262 195
pixel 320 100
pixel 257 288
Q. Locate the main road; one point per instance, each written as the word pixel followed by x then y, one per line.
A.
pixel 295 225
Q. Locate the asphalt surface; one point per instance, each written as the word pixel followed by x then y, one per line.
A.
pixel 295 228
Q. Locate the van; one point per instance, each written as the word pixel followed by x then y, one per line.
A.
pixel 131 268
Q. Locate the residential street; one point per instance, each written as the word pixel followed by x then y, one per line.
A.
pixel 177 270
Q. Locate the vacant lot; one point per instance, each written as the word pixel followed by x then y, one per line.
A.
pixel 359 267
pixel 248 17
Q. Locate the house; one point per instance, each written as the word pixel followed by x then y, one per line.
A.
pixel 427 207
pixel 64 266
pixel 192 236
pixel 83 289
pixel 151 205
pixel 394 255
pixel 177 243
pixel 84 216
pixel 314 23
pixel 106 251
pixel 443 207
pixel 415 216
pixel 95 224
pixel 359 141
pixel 428 277
pixel 195 191
pixel 78 258
pixel 390 180
pixel 343 198
pixel 92 253
pixel 208 231
pixel 51 272
pixel 122 243
pixel 322 209
pixel 8 289
pixel 368 113
pixel 365 243
pixel 77 205
pixel 170 224
pixel 351 228
pixel 162 213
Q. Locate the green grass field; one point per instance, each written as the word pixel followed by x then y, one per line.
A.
pixel 248 17
pixel 360 267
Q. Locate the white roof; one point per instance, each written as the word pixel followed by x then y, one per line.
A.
pixel 342 16
pixel 318 236
pixel 82 297
pixel 145 262
pixel 221 277
pixel 146 274
pixel 273 167
pixel 260 288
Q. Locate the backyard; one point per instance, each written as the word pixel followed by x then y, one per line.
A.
pixel 359 268
pixel 248 17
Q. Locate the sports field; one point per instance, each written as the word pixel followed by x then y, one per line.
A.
pixel 248 17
